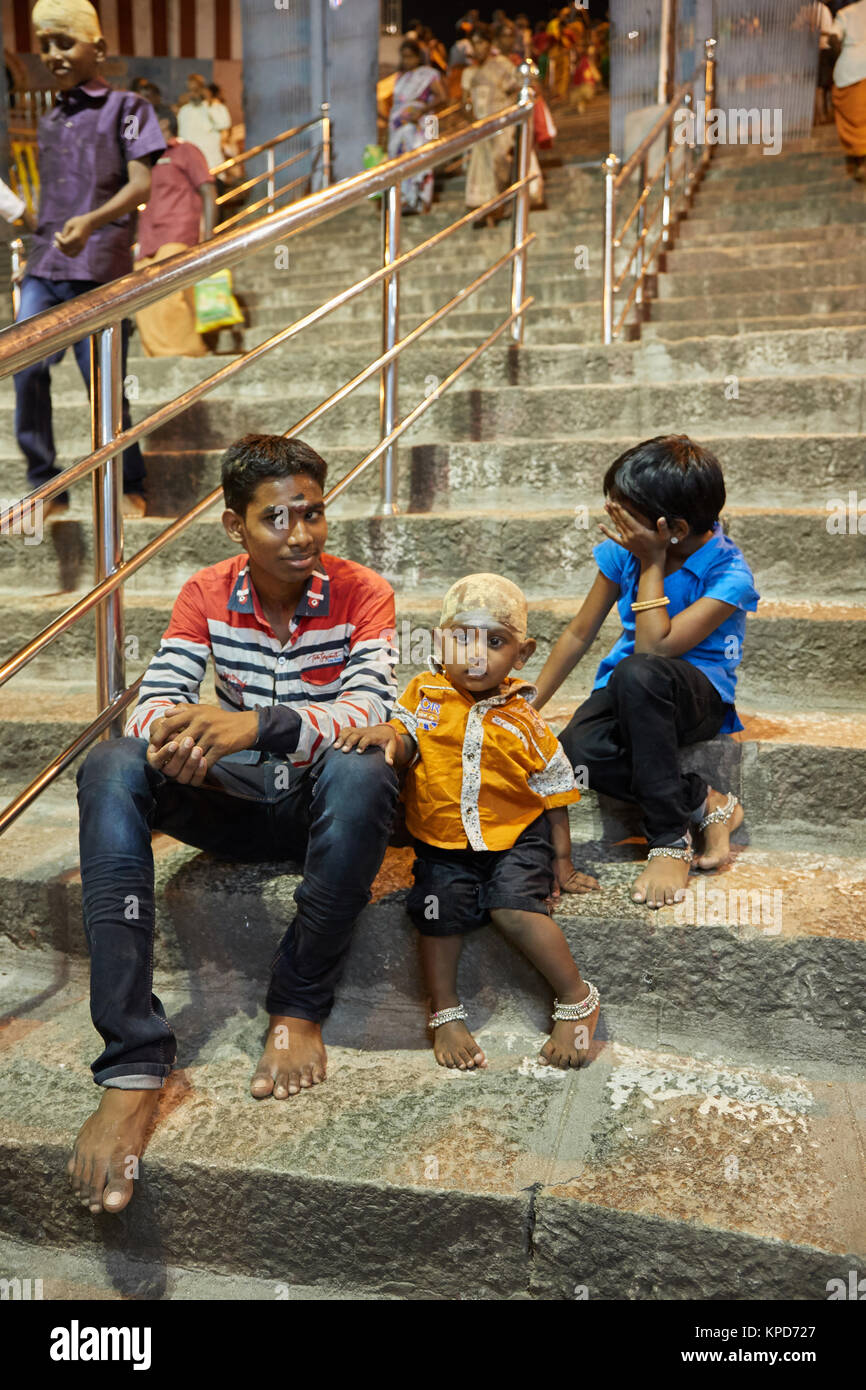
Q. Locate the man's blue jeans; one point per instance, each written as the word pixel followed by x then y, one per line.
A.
pixel 33 426
pixel 336 818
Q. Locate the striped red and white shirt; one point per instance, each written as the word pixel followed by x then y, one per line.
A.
pixel 336 669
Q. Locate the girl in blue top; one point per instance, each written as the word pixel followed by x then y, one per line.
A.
pixel 682 589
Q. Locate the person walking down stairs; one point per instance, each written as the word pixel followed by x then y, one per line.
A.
pixel 83 239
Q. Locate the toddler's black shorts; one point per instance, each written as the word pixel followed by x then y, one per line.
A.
pixel 455 890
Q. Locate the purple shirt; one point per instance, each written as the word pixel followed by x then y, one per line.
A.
pixel 85 141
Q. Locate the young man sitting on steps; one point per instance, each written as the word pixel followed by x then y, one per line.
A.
pixel 302 645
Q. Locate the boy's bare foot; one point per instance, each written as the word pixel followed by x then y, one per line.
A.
pixel 293 1060
pixel 454 1046
pixel 568 1044
pixel 662 881
pixel 104 1162
pixel 716 837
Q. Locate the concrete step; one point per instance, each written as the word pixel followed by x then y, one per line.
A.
pixel 744 322
pixel 805 277
pixel 382 1171
pixel 790 647
pixel 551 550
pixel 804 303
pixel 757 215
pixel 96 1274
pixel 687 256
pixel 798 770
pixel 694 235
pixel 831 402
pixel 780 469
pixel 331 363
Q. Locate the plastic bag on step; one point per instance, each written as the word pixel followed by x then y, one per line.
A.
pixel 215 304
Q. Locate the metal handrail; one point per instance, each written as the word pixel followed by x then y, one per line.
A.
pixel 99 312
pixel 319 155
pixel 669 209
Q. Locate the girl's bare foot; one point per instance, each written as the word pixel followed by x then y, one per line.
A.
pixel 662 881
pixel 294 1059
pixel 568 1044
pixel 716 837
pixel 454 1046
pixel 104 1162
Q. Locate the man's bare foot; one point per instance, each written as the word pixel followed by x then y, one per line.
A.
pixel 133 505
pixel 104 1162
pixel 662 881
pixel 294 1059
pixel 454 1046
pixel 568 1044
pixel 716 837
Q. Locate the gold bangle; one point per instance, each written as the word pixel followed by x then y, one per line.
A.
pixel 649 603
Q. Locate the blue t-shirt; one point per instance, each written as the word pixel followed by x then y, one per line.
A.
pixel 717 570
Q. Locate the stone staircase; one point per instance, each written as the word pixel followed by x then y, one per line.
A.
pixel 714 1148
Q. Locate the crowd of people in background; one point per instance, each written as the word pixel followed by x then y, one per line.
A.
pixel 479 75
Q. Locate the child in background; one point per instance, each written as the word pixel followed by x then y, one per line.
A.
pixel 486 794
pixel 96 146
pixel 683 590
pixel 586 79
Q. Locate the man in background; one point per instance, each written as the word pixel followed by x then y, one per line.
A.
pixel 181 212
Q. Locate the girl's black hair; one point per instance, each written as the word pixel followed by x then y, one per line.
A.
pixel 413 47
pixel 259 457
pixel 669 476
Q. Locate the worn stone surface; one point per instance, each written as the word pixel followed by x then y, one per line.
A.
pixel 714 1146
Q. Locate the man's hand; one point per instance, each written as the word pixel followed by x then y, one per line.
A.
pixel 186 742
pixel 648 545
pixel 75 236
pixel 383 736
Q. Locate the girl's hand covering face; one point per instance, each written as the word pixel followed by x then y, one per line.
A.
pixel 632 535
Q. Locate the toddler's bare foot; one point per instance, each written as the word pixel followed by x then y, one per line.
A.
pixel 662 881
pixel 716 837
pixel 104 1162
pixel 294 1059
pixel 568 1044
pixel 454 1046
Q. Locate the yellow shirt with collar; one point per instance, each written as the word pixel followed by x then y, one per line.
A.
pixel 484 770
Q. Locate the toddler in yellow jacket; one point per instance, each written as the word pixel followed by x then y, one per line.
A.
pixel 486 793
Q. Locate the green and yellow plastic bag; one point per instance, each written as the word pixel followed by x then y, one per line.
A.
pixel 215 304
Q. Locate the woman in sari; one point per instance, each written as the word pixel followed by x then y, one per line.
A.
pixel 417 92
pixel 487 87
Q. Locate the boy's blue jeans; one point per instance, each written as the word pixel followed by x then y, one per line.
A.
pixel 336 817
pixel 33 426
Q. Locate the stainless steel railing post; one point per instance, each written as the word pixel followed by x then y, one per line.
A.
pixel 666 188
pixel 326 144
pixel 610 168
pixel 16 249
pixel 709 94
pixel 388 386
pixel 520 213
pixel 106 385
pixel 641 238
pixel 271 185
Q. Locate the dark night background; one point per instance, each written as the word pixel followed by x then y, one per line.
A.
pixel 442 15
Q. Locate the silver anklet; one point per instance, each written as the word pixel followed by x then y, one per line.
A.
pixel 722 815
pixel 447 1016
pixel 671 852
pixel 587 1006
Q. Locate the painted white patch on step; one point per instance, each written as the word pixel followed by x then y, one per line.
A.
pixel 743 1093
